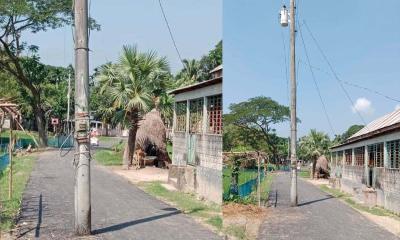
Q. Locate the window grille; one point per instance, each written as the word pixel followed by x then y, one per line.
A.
pixel 180 110
pixel 339 157
pixel 348 156
pixel 196 115
pixel 359 154
pixel 393 149
pixel 375 155
pixel 214 112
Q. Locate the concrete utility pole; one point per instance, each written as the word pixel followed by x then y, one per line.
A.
pixel 69 102
pixel 82 156
pixel 293 118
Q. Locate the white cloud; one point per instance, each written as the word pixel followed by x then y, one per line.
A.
pixel 363 106
pixel 397 107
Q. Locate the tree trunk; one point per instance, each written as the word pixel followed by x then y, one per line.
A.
pixel 313 167
pixel 40 122
pixel 130 147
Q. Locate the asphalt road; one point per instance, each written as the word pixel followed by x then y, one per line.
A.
pixel 119 209
pixel 318 216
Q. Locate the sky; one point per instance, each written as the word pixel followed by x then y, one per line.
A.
pixel 359 37
pixel 196 25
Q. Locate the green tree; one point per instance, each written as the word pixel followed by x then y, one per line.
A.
pixel 251 123
pixel 133 85
pixel 16 18
pixel 312 146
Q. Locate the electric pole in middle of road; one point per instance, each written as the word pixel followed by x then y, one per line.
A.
pixel 82 155
pixel 293 117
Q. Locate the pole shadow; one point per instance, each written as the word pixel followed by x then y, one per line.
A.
pixel 132 223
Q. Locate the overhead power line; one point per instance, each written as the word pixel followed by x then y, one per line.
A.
pixel 353 84
pixel 315 83
pixel 334 73
pixel 170 31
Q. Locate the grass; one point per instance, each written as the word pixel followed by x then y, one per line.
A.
pixel 105 138
pixel 238 231
pixel 304 173
pixel 169 149
pixel 244 176
pixel 209 213
pixel 10 208
pixel 108 157
pixel 378 211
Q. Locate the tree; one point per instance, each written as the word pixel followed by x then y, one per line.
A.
pixel 133 85
pixel 17 17
pixel 253 122
pixel 347 134
pixel 312 146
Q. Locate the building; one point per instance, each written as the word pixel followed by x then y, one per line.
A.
pixel 368 163
pixel 197 138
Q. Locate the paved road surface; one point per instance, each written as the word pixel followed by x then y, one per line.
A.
pixel 119 209
pixel 319 216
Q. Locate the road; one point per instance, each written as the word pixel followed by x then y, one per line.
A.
pixel 318 216
pixel 120 210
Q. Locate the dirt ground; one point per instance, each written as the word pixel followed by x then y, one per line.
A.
pixel 248 217
pixel 147 174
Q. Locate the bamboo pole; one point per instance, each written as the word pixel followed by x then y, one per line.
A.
pixel 10 173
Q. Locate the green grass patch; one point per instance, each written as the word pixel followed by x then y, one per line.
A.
pixel 208 212
pixel 304 173
pixel 22 167
pixel 378 211
pixel 169 149
pixel 105 138
pixel 108 157
pixel 237 231
pixel 244 176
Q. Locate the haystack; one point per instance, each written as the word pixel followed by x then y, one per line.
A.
pixel 322 167
pixel 151 138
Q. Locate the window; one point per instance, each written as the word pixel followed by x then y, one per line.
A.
pixel 339 157
pixel 375 155
pixel 214 114
pixel 348 154
pixel 196 115
pixel 180 110
pixel 359 154
pixel 393 148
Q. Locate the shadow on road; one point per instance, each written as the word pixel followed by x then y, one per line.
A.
pixel 134 222
pixel 314 201
pixel 37 231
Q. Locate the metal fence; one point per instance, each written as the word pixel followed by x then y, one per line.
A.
pixel 245 188
pixel 61 141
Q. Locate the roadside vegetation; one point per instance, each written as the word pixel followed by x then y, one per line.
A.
pixel 208 213
pixel 112 156
pixel 10 208
pixel 347 198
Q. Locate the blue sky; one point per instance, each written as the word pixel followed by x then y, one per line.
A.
pixel 360 39
pixel 197 27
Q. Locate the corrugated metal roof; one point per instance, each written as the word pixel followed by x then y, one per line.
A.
pixel 382 122
pixel 219 67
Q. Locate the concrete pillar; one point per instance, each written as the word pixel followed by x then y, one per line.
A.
pixel 205 116
pixel 187 115
pixel 385 155
pixel 353 159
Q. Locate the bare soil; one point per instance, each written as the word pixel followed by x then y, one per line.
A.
pixel 249 217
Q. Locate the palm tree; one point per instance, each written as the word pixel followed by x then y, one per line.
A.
pixel 314 145
pixel 133 84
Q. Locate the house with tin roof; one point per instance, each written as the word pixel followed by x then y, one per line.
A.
pixel 368 163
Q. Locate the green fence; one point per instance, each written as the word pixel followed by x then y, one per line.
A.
pixel 247 182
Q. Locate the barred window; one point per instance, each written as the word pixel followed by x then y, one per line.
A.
pixel 339 157
pixel 196 115
pixel 393 149
pixel 214 112
pixel 348 154
pixel 375 155
pixel 180 110
pixel 359 154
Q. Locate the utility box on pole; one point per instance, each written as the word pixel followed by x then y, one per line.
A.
pixel 82 155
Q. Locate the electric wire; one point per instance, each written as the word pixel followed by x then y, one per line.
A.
pixel 353 84
pixel 334 73
pixel 170 32
pixel 286 66
pixel 316 84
